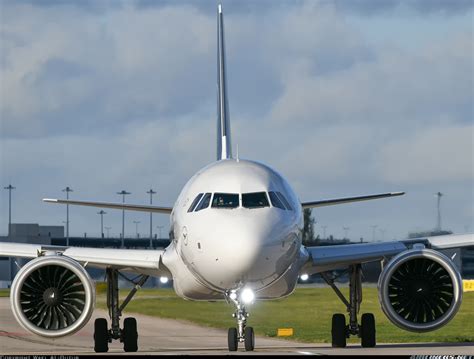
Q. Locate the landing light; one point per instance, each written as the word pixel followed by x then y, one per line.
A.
pixel 164 280
pixel 233 295
pixel 247 296
pixel 304 277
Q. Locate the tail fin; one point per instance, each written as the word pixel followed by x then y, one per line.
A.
pixel 224 145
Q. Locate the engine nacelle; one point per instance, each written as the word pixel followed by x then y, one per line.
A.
pixel 52 296
pixel 420 290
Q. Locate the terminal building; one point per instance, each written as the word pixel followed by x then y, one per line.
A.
pixel 54 235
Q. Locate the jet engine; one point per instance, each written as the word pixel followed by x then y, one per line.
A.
pixel 420 290
pixel 52 296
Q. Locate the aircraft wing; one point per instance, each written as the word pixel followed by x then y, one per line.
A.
pixel 128 207
pixel 331 202
pixel 132 260
pixel 325 258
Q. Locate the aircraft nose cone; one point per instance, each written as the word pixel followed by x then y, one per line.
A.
pixel 238 254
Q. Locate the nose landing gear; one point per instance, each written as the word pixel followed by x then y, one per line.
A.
pixel 241 334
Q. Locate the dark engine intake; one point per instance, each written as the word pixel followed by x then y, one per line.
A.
pixel 52 296
pixel 420 290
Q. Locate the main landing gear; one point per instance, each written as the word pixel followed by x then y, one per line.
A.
pixel 242 333
pixel 128 335
pixel 340 331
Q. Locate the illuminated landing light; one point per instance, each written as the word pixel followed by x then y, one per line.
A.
pixel 304 277
pixel 164 280
pixel 233 295
pixel 247 296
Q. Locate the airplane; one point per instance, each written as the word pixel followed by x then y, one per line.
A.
pixel 236 236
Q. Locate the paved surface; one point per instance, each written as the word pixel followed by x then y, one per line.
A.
pixel 163 336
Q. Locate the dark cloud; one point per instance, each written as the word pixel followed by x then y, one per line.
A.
pixel 364 7
pixel 124 98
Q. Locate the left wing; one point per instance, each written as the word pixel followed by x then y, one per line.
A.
pixel 325 258
pixel 134 260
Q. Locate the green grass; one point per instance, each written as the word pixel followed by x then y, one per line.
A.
pixel 308 311
pixel 4 293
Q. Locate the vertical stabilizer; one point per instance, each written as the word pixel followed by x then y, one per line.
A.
pixel 224 149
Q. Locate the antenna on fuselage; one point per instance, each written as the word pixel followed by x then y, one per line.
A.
pixel 224 149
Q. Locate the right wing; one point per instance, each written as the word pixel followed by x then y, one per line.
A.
pixel 331 202
pixel 128 207
pixel 132 260
pixel 325 258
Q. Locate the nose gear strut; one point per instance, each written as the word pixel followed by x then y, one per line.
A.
pixel 241 334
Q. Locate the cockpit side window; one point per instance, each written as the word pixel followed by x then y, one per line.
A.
pixel 276 202
pixel 285 201
pixel 255 200
pixel 225 200
pixel 195 202
pixel 204 202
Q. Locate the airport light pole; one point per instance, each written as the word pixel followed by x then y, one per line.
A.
pixel 346 229
pixel 123 193
pixel 67 190
pixel 151 193
pixel 107 229
pixel 102 212
pixel 9 188
pixel 324 231
pixel 136 227
pixel 438 223
pixel 159 228
pixel 373 232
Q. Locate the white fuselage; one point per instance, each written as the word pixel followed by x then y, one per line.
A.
pixel 220 248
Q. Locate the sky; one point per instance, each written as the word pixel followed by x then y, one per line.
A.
pixel 343 98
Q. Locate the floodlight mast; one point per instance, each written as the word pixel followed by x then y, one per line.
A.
pixel 136 227
pixel 123 193
pixel 438 225
pixel 373 232
pixel 346 230
pixel 159 228
pixel 102 212
pixel 151 193
pixel 9 188
pixel 67 190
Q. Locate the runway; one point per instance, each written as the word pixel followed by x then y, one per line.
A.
pixel 171 337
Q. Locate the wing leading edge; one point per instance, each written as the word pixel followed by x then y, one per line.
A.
pixel 331 202
pixel 128 207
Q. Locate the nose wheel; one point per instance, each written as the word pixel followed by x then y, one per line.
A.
pixel 241 334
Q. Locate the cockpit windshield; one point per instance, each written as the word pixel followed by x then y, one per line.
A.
pixel 255 200
pixel 204 202
pixel 231 200
pixel 195 202
pixel 225 200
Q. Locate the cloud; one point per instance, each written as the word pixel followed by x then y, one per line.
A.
pixel 435 154
pixel 122 96
pixel 392 88
pixel 98 69
pixel 421 7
